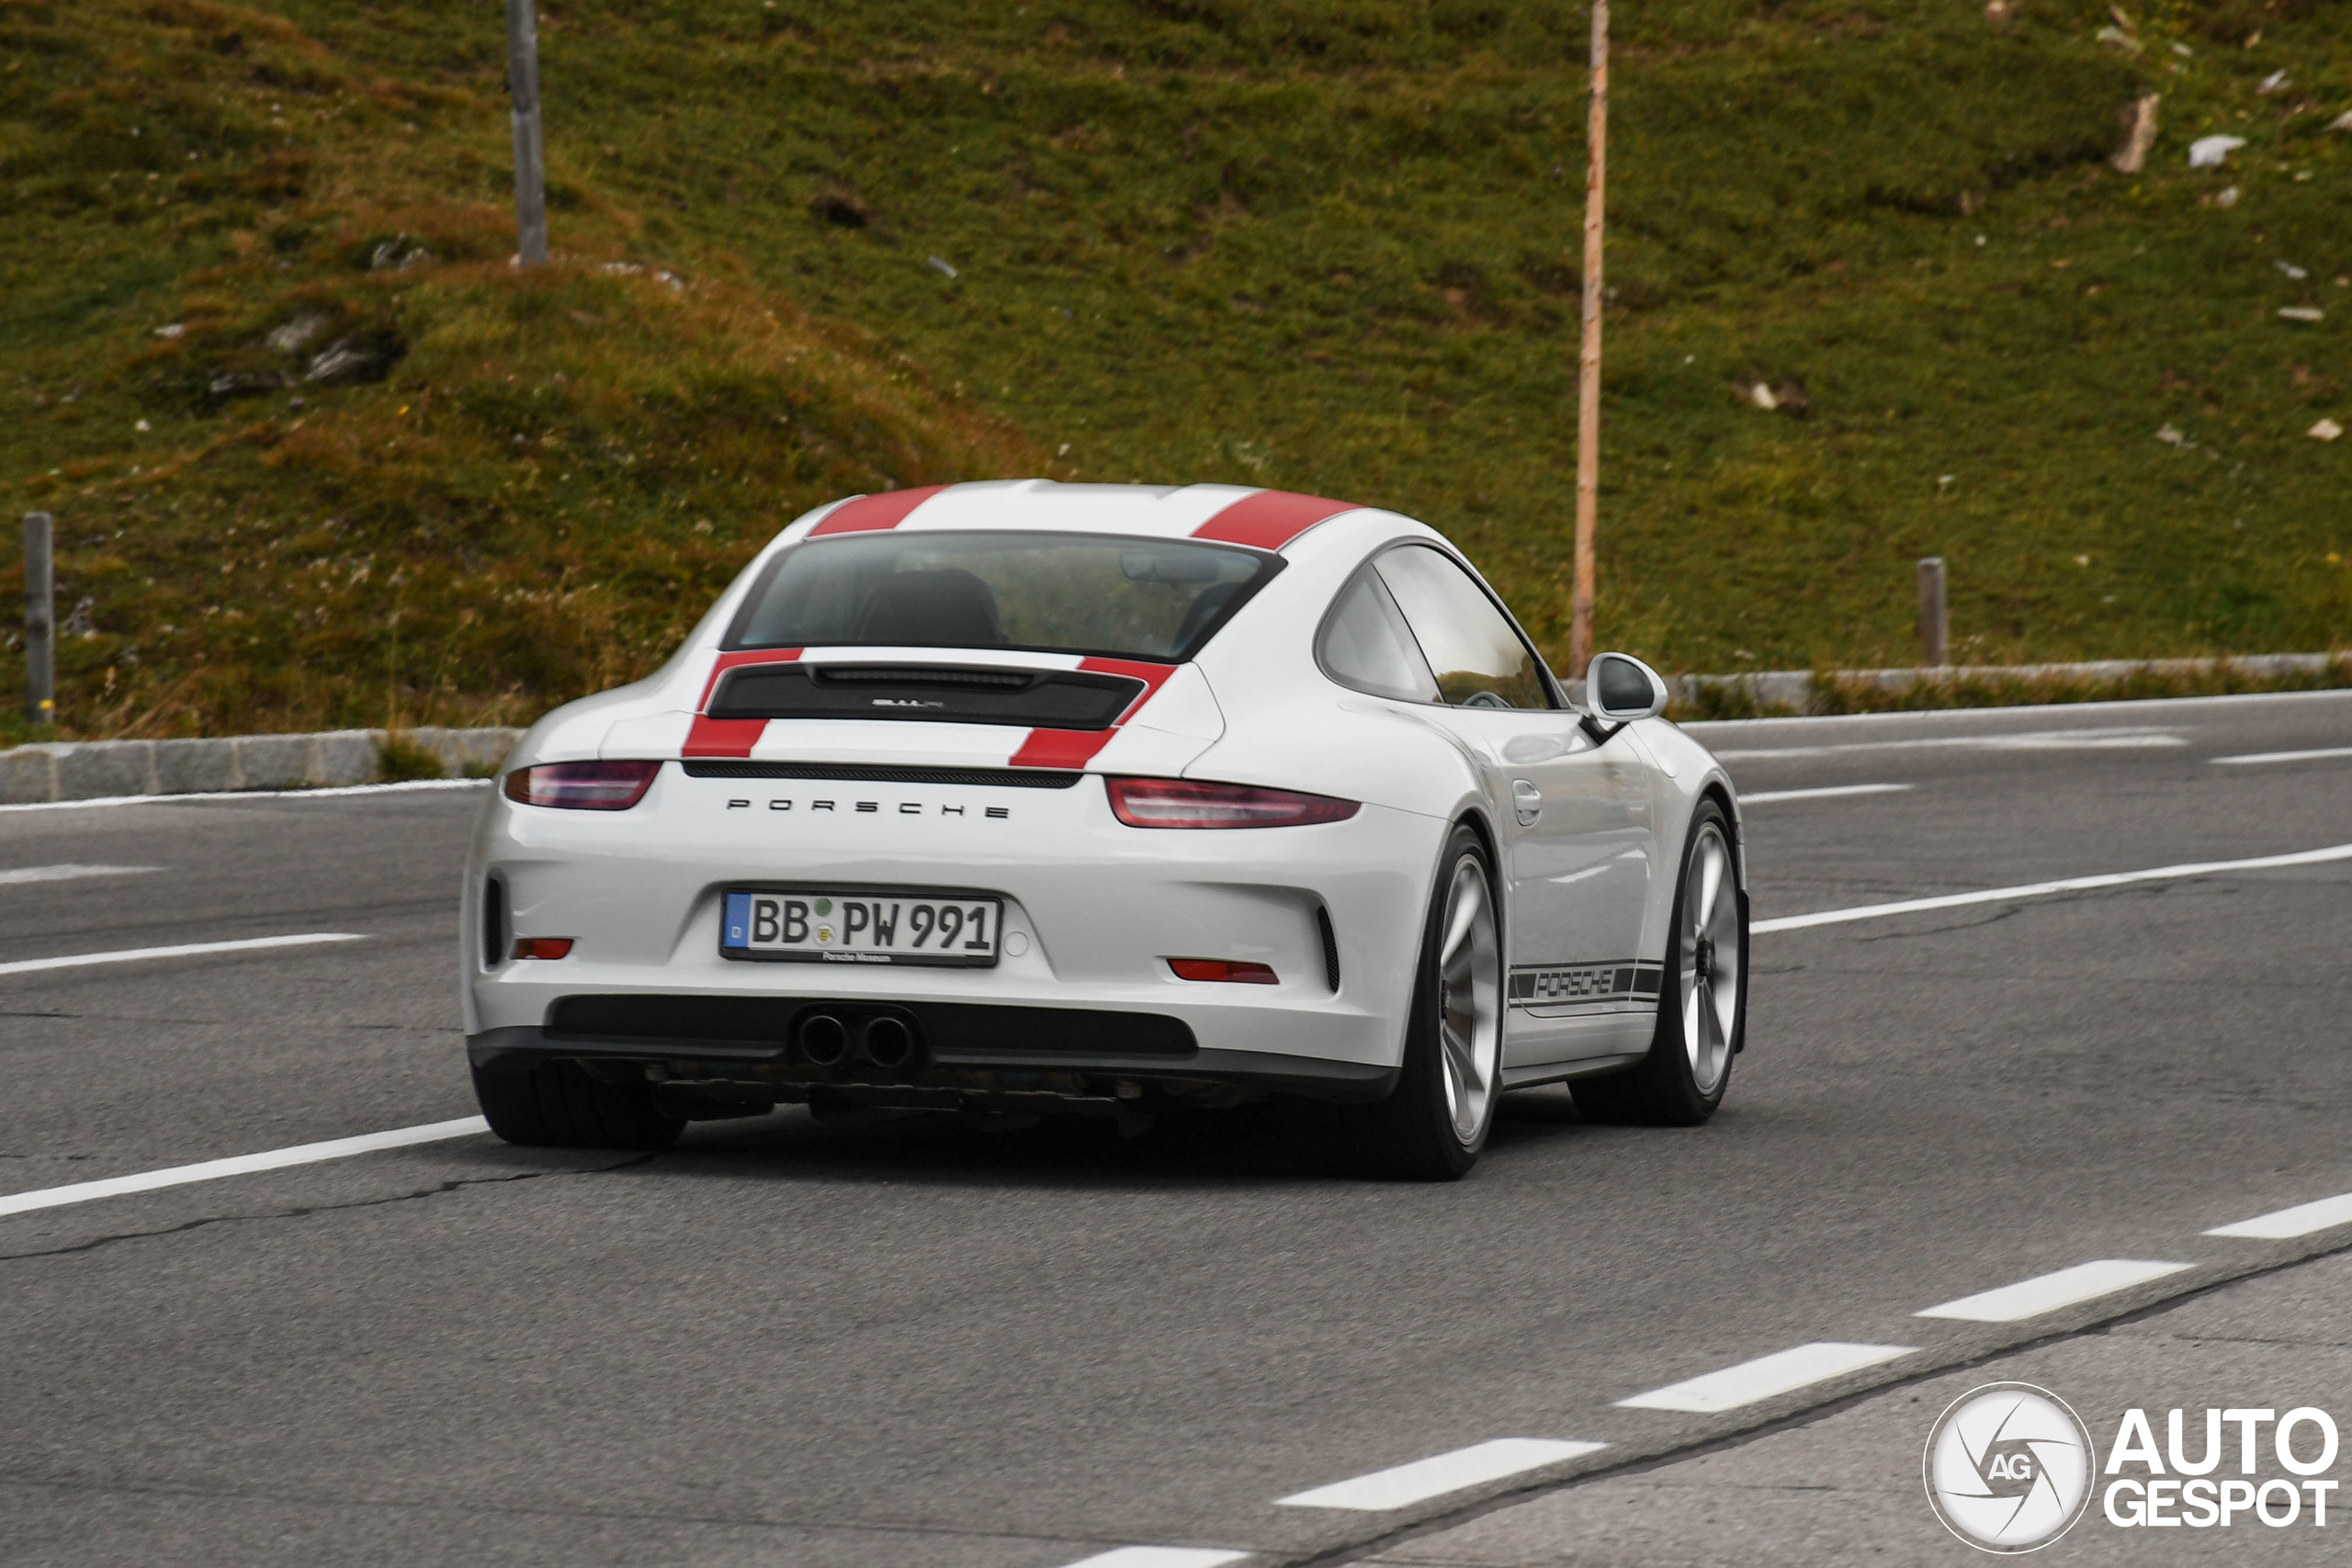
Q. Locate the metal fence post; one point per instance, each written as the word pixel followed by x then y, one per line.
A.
pixel 40 621
pixel 1934 645
pixel 530 154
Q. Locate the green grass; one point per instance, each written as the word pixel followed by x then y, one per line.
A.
pixel 1324 245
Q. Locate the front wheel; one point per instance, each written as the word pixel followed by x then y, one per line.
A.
pixel 1703 1004
pixel 1434 1125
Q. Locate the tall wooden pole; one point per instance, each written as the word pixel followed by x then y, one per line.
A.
pixel 1589 369
pixel 40 621
pixel 530 159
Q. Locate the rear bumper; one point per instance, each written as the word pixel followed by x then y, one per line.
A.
pixel 955 1065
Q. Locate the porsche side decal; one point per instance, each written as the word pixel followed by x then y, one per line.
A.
pixel 1548 984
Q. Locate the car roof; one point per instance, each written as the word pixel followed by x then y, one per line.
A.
pixel 1240 514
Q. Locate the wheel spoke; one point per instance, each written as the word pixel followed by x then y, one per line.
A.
pixel 1466 909
pixel 1711 881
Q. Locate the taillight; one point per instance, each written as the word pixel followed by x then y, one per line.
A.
pixel 582 786
pixel 1227 969
pixel 1188 802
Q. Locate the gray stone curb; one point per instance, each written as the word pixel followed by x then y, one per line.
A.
pixel 95 770
pixel 1790 691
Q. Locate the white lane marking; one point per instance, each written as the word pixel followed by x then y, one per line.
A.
pixel 331 793
pixel 2048 1293
pixel 68 872
pixel 2326 1213
pixel 185 950
pixel 1764 1377
pixel 1766 797
pixel 1159 1557
pixel 2281 756
pixel 2164 707
pixel 1406 1485
pixel 2019 740
pixel 239 1164
pixel 2043 889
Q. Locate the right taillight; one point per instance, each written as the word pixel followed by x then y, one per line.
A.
pixel 582 786
pixel 1190 803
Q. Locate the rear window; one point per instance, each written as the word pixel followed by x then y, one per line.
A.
pixel 1122 598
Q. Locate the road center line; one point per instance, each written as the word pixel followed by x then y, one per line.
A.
pixel 68 872
pixel 2044 889
pixel 1159 1557
pixel 1403 1485
pixel 1778 1372
pixel 2245 757
pixel 185 950
pixel 2279 1224
pixel 2016 741
pixel 2048 1293
pixel 239 1164
pixel 1765 796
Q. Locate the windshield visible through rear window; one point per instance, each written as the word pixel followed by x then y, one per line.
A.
pixel 1124 598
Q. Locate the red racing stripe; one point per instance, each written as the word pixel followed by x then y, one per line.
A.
pixel 1076 747
pixel 710 736
pixel 1267 519
pixel 867 513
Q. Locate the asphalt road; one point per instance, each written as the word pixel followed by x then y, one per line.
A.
pixel 921 1343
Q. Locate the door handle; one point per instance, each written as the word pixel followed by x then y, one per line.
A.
pixel 1528 797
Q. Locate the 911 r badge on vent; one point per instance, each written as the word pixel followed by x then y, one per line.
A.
pixel 796 926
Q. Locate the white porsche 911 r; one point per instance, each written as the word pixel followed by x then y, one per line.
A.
pixel 1025 796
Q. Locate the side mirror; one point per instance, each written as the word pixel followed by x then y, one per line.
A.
pixel 1621 688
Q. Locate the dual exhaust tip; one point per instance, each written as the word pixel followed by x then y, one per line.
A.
pixel 884 1041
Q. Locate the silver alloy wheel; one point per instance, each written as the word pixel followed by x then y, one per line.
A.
pixel 1710 976
pixel 1470 1030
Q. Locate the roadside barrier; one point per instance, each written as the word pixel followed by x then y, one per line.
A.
pixel 98 770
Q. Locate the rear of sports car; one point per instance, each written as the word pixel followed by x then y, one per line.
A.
pixel 915 829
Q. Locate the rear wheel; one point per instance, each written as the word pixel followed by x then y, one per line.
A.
pixel 1434 1125
pixel 1702 1006
pixel 556 1105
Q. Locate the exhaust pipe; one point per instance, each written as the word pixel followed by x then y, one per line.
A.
pixel 824 1042
pixel 887 1043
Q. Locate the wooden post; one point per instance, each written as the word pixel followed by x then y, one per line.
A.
pixel 1588 366
pixel 40 621
pixel 530 157
pixel 1934 646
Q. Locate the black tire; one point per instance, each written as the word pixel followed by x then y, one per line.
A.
pixel 1413 1133
pixel 1664 1089
pixel 556 1105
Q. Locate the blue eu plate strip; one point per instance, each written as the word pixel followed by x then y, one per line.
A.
pixel 739 921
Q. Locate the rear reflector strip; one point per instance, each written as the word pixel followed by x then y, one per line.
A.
pixel 1227 969
pixel 542 947
pixel 1269 519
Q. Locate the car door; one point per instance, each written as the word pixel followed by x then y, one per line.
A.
pixel 1579 839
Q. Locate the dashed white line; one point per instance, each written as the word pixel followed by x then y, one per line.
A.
pixel 2281 756
pixel 1406 1485
pixel 2044 889
pixel 2324 1214
pixel 68 872
pixel 183 950
pixel 2021 740
pixel 1766 797
pixel 2048 1293
pixel 239 1164
pixel 1159 1557
pixel 329 792
pixel 1779 1372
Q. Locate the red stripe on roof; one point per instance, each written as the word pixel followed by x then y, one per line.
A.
pixel 1269 519
pixel 887 510
pixel 1076 747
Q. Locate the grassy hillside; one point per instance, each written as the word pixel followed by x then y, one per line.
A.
pixel 1324 245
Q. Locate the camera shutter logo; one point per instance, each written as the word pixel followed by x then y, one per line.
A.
pixel 2009 1466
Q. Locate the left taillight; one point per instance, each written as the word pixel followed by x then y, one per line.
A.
pixel 582 786
pixel 1190 803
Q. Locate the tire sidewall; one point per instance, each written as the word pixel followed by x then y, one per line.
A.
pixel 1424 1061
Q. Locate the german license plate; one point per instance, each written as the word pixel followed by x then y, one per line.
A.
pixel 938 928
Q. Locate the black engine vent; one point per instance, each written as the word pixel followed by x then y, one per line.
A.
pixel 1051 699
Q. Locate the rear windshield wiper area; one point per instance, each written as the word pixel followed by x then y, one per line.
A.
pixel 1052 699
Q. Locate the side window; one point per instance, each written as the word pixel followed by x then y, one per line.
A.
pixel 1477 654
pixel 1365 645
